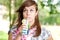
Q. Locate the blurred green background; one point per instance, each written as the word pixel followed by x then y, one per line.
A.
pixel 49 13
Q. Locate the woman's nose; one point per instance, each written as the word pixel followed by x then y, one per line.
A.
pixel 28 13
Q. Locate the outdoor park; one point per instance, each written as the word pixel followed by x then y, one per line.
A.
pixel 49 16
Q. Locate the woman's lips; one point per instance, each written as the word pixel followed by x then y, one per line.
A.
pixel 29 17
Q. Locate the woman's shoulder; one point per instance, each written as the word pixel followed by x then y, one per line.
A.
pixel 44 33
pixel 12 29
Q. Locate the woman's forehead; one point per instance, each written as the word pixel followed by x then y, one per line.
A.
pixel 30 7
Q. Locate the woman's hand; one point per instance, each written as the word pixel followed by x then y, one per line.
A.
pixel 22 30
pixel 18 37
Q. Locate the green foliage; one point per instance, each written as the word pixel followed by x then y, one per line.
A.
pixel 58 19
pixel 5 2
pixel 50 20
pixel 3 35
pixel 18 3
pixel 54 15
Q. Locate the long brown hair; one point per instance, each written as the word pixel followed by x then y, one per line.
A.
pixel 20 16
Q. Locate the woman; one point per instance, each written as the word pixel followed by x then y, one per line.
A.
pixel 29 10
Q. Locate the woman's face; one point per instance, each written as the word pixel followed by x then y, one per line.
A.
pixel 30 13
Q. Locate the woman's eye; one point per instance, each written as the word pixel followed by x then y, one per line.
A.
pixel 31 10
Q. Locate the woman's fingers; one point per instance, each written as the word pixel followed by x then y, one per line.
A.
pixel 22 27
